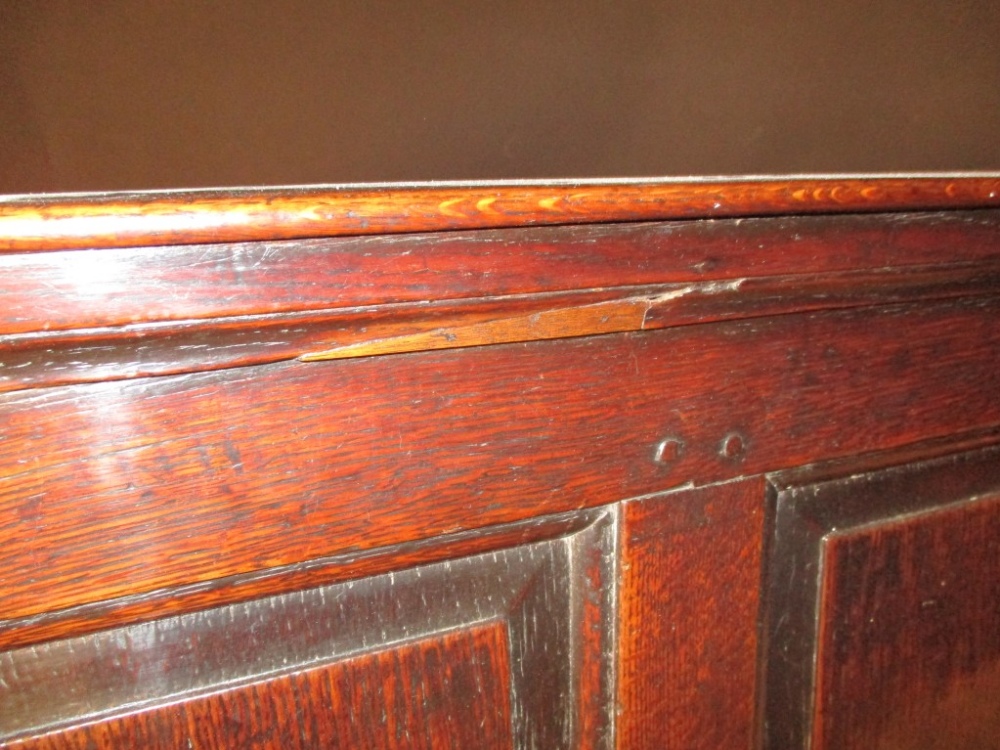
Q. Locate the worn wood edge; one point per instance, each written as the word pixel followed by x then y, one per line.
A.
pixel 612 316
pixel 33 223
pixel 802 517
pixel 51 358
pixel 913 410
pixel 91 617
pixel 68 290
pixel 53 732
pixel 659 309
pixel 865 463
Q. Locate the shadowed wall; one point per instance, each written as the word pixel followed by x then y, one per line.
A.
pixel 123 94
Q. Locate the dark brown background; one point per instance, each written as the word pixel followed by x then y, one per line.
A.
pixel 124 94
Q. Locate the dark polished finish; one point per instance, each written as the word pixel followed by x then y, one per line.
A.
pixel 463 705
pixel 283 463
pixel 507 487
pixel 892 580
pixel 460 625
pixel 141 312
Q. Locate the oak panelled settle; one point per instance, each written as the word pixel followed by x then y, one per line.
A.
pixel 638 464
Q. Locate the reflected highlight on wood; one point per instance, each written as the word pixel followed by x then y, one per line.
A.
pixel 450 692
pixel 229 472
pixel 511 648
pixel 126 220
pixel 705 464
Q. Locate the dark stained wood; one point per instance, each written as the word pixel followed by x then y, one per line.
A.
pixel 61 290
pixel 144 607
pixel 63 357
pixel 691 573
pixel 861 463
pixel 419 657
pixel 450 692
pixel 503 485
pixel 68 317
pixel 682 305
pixel 260 467
pixel 127 220
pixel 889 584
pixel 910 632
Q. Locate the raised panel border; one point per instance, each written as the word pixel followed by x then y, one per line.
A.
pixel 553 596
pixel 803 514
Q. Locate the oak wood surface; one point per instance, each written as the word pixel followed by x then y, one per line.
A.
pixel 210 402
pixel 78 317
pixel 144 607
pixel 125 487
pixel 49 359
pixel 883 623
pixel 691 574
pixel 60 290
pixel 917 597
pixel 549 601
pixel 447 692
pixel 126 220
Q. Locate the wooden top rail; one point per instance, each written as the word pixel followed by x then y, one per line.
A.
pixel 52 222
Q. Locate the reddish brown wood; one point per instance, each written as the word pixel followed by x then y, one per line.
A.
pixel 126 220
pixel 921 450
pixel 64 290
pixel 62 357
pixel 211 464
pixel 689 609
pixel 120 488
pixel 446 692
pixel 282 579
pixel 663 307
pixel 909 639
pixel 549 601
pixel 882 608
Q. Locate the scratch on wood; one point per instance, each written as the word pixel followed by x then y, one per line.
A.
pixel 612 316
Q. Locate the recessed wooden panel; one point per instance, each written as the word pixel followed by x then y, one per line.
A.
pixel 689 611
pixel 507 648
pixel 885 623
pixel 451 692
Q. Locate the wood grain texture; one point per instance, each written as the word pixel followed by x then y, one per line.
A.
pixel 909 639
pixel 680 305
pixel 68 317
pixel 550 603
pixel 218 490
pixel 883 621
pixel 60 290
pixel 867 462
pixel 691 573
pixel 121 488
pixel 447 692
pixel 36 360
pixel 283 579
pixel 126 220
